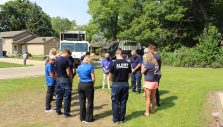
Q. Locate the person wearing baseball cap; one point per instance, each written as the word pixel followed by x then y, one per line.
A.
pixel 50 76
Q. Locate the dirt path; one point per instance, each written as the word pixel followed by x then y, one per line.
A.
pixel 26 108
pixel 213 109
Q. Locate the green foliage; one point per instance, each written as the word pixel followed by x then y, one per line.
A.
pixel 172 23
pixel 207 53
pixel 99 40
pixel 97 51
pixel 105 14
pixel 22 15
pixel 59 24
pixel 91 29
pixel 39 23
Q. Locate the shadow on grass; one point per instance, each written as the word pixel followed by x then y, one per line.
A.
pixel 163 92
pixel 134 115
pixel 167 103
pixel 97 116
pixel 103 114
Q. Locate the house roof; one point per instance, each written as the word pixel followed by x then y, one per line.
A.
pixel 40 40
pixel 11 34
pixel 24 40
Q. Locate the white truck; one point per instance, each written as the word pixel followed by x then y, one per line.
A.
pixel 76 42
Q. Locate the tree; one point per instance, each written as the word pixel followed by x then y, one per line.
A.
pixel 99 40
pixel 91 29
pixel 158 21
pixel 16 13
pixel 172 23
pixel 22 15
pixel 39 23
pixel 59 24
pixel 105 14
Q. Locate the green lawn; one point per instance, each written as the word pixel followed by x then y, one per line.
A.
pixel 10 65
pixel 183 96
pixel 37 57
pixel 34 57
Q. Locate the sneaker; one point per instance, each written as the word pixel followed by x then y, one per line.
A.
pixel 122 121
pixel 84 122
pixel 49 110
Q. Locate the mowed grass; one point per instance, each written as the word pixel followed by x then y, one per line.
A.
pixel 10 65
pixel 34 57
pixel 183 97
pixel 37 57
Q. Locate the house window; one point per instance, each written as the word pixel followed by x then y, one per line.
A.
pixel 15 47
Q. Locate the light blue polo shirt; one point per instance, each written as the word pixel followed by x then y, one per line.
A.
pixel 84 71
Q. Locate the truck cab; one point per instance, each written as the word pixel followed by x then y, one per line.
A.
pixel 76 42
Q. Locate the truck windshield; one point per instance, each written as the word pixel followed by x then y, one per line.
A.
pixel 81 47
pixel 69 46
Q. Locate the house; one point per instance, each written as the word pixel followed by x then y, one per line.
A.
pixel 20 42
pixel 14 41
pixel 41 45
pixel 1 48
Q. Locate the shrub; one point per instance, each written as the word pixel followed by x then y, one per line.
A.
pixel 207 53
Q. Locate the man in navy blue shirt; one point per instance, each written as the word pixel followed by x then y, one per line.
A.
pixel 119 72
pixel 157 56
pixel 136 76
pixel 72 65
pixel 63 83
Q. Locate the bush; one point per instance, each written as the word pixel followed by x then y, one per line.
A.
pixel 97 51
pixel 207 53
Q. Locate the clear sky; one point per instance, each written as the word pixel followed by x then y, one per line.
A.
pixel 71 9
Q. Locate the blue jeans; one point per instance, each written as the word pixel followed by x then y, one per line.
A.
pixel 119 97
pixel 63 90
pixel 136 77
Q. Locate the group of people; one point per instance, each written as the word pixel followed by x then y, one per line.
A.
pixel 60 73
pixel 140 66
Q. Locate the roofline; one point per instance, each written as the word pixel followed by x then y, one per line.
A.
pixel 51 38
pixel 73 32
pixel 22 31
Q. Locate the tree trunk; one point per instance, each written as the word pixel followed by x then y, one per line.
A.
pixel 204 13
pixel 114 27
